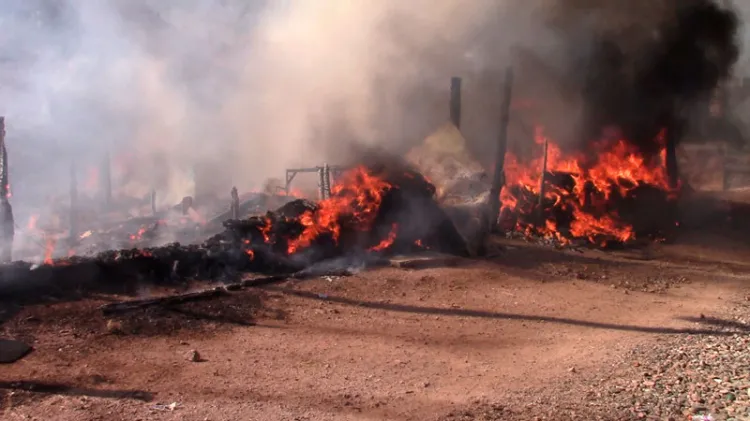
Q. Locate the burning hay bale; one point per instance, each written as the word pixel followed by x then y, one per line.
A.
pixel 445 160
pixel 462 185
pixel 613 195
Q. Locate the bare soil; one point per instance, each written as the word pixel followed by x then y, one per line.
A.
pixel 488 339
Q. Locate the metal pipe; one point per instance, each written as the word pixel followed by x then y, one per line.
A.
pixel 498 179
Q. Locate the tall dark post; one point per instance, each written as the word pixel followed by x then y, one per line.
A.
pixel 498 179
pixel 7 224
pixel 327 181
pixel 73 204
pixel 321 183
pixel 106 185
pixel 153 202
pixel 234 207
pixel 674 134
pixel 455 105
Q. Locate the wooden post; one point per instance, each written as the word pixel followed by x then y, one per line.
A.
pixel 234 207
pixel 674 133
pixel 455 104
pixel 106 182
pixel 499 177
pixel 153 202
pixel 7 224
pixel 327 181
pixel 540 205
pixel 321 184
pixel 73 204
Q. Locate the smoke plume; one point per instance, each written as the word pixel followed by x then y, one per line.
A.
pixel 230 92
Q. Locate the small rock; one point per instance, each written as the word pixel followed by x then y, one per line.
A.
pixel 193 356
pixel 114 327
pixel 572 369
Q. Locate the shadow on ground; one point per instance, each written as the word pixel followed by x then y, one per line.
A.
pixel 63 389
pixel 405 308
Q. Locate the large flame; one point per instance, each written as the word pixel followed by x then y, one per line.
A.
pixel 614 168
pixel 356 196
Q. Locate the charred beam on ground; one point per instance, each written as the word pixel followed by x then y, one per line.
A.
pixel 218 292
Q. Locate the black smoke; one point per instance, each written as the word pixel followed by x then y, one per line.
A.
pixel 643 82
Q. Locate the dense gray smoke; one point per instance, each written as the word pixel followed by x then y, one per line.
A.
pixel 232 92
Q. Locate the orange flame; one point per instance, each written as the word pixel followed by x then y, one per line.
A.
pixel 266 229
pixel 357 195
pixel 619 167
pixel 49 250
pixel 249 252
pixel 386 242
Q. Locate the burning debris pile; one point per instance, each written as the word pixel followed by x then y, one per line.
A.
pixel 611 195
pixel 613 179
pixel 372 210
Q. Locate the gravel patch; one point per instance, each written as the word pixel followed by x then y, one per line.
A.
pixel 681 377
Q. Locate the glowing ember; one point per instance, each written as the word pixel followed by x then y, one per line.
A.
pixel 386 242
pixel 356 197
pixel 266 230
pixel 613 171
pixel 137 236
pixel 249 252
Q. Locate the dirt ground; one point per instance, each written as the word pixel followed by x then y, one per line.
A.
pixel 485 339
